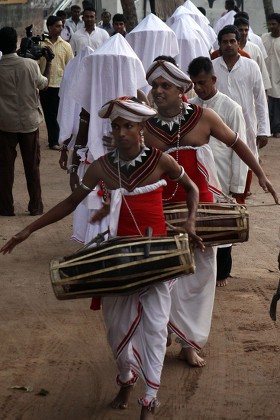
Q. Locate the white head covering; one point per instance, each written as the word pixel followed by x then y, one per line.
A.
pixel 199 28
pixel 191 45
pixel 192 8
pixel 69 109
pixel 201 20
pixel 151 38
pixel 227 19
pixel 169 72
pixel 126 107
pixel 113 70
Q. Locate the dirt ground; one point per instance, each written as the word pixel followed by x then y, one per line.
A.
pixel 60 346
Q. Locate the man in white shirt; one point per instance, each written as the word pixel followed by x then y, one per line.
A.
pixel 240 78
pixel 232 171
pixel 272 44
pixel 75 22
pixel 90 35
pixel 252 49
pixel 66 32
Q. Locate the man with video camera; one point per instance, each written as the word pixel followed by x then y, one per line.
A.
pixel 20 117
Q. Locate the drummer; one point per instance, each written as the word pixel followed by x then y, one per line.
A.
pixel 136 324
pixel 182 130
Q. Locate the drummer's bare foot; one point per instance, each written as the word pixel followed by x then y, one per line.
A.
pixel 122 398
pixel 191 357
pixel 147 414
pixel 221 283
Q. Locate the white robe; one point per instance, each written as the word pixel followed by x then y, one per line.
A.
pixel 200 20
pixel 191 42
pixel 193 295
pixel 232 171
pixel 255 53
pixel 272 46
pixel 256 39
pixel 192 300
pixel 69 110
pixel 244 85
pixel 151 38
pixel 112 70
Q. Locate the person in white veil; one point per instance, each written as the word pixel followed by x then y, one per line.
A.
pixel 151 38
pixel 191 38
pixel 201 20
pixel 188 17
pixel 68 119
pixel 113 70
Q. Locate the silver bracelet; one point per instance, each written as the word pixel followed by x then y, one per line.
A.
pixel 85 187
pixel 235 140
pixel 180 176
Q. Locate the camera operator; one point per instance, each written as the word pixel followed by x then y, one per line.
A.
pixel 50 97
pixel 20 116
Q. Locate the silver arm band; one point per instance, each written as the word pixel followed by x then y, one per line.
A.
pixel 85 187
pixel 180 176
pixel 235 140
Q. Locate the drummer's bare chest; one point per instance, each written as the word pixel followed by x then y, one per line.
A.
pixel 194 138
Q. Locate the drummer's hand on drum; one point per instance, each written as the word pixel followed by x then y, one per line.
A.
pixel 267 187
pixel 195 239
pixel 190 230
pixel 14 241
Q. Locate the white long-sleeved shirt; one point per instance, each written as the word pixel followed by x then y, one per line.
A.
pixel 244 85
pixel 232 171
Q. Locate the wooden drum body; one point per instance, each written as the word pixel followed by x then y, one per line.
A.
pixel 217 223
pixel 121 266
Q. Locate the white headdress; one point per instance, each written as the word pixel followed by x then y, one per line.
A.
pixel 169 72
pixel 127 107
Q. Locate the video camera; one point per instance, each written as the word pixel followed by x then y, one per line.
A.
pixel 30 46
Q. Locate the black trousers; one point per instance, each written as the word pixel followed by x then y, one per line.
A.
pixel 224 262
pixel 30 153
pixel 50 102
pixel 274 114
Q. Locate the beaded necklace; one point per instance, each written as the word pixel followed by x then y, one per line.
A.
pixel 179 119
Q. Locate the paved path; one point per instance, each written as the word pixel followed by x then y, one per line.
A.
pixel 253 7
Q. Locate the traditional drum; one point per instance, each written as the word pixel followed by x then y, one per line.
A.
pixel 120 266
pixel 216 223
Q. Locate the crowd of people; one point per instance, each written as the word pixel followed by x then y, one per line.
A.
pixel 137 132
